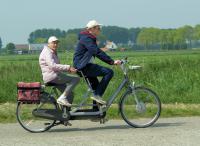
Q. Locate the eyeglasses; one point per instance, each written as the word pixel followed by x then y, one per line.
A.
pixel 99 28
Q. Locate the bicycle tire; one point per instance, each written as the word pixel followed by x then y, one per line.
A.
pixel 27 120
pixel 134 113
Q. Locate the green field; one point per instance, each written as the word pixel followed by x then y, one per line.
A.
pixel 173 75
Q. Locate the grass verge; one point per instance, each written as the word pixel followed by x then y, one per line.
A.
pixel 8 110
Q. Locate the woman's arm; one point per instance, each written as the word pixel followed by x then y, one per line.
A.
pixel 53 65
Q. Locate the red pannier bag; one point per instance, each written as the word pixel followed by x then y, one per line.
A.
pixel 28 91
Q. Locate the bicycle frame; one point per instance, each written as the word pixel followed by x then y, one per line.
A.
pixel 111 98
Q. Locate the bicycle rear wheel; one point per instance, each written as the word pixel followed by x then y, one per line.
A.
pixel 31 123
pixel 140 108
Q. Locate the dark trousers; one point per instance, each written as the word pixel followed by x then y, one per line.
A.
pixel 92 71
pixel 94 83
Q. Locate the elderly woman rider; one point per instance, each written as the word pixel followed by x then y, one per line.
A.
pixel 54 73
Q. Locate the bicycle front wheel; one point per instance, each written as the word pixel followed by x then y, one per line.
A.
pixel 140 108
pixel 30 122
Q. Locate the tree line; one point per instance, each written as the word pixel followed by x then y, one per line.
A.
pixel 166 39
pixel 134 38
pixel 69 38
pixel 137 38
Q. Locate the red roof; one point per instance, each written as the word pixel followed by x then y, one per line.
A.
pixel 21 46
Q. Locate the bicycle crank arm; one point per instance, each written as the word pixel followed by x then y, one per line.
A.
pixel 51 114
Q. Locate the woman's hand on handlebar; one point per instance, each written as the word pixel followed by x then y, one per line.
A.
pixel 117 62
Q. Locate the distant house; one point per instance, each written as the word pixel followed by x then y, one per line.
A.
pixel 36 48
pixel 21 48
pixel 111 45
pixel 28 48
pixel 122 49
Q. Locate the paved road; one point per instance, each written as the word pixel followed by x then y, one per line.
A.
pixel 166 132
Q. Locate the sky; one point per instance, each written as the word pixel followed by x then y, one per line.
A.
pixel 18 18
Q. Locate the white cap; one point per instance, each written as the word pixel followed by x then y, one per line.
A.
pixel 52 39
pixel 92 24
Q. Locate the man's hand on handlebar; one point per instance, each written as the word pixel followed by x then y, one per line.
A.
pixel 117 62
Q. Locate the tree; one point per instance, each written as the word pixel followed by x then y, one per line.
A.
pixel 45 34
pixel 10 47
pixel 148 37
pixel 133 34
pixel 179 39
pixel 116 34
pixel 197 32
pixel 102 40
pixel 0 43
pixel 69 42
pixel 75 31
pixel 166 39
pixel 187 33
pixel 40 40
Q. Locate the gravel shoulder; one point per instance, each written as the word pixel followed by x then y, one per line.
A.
pixel 167 131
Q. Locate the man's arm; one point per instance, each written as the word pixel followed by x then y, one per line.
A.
pixel 94 50
pixel 54 66
pixel 104 57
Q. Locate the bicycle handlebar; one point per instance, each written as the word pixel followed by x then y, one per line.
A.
pixel 125 60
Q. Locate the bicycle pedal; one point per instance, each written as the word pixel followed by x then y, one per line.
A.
pixel 103 121
pixel 66 123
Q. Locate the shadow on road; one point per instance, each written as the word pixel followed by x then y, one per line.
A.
pixel 92 129
pixel 156 125
pixel 167 124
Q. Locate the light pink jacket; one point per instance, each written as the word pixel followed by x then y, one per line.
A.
pixel 49 64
